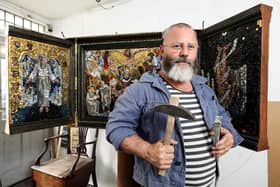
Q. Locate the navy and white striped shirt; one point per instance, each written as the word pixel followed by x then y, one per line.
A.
pixel 200 164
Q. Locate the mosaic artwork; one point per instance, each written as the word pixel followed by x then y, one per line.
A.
pixel 109 72
pixel 38 81
pixel 232 65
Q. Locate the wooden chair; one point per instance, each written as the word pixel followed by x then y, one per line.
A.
pixel 125 170
pixel 73 170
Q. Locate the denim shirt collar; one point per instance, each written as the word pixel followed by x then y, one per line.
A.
pixel 157 81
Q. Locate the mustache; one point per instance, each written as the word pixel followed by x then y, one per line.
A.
pixel 182 59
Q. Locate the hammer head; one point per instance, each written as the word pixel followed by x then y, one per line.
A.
pixel 173 111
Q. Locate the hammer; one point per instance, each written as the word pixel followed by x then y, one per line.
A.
pixel 172 110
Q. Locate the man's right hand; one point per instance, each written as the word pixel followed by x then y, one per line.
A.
pixel 160 155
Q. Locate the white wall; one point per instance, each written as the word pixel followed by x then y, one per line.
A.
pixel 106 162
pixel 18 153
pixel 240 167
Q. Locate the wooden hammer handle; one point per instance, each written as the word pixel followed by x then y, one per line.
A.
pixel 169 128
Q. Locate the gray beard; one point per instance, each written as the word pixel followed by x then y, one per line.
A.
pixel 178 72
pixel 181 74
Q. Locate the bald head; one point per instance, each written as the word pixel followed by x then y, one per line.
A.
pixel 177 25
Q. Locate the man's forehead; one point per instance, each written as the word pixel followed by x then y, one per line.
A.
pixel 181 33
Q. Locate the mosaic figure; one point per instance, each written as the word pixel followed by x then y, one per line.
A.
pixel 43 76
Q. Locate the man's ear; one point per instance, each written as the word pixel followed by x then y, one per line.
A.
pixel 161 50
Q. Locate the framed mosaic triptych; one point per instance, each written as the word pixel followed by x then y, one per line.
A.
pixel 52 81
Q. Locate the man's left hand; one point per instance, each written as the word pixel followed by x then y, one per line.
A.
pixel 224 144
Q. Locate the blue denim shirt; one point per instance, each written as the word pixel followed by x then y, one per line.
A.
pixel 132 115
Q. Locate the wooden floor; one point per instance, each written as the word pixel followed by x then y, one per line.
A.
pixel 28 183
pixel 24 183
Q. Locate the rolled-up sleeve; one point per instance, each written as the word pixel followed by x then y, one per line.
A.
pixel 124 119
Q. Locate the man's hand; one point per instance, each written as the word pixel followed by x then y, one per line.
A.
pixel 224 144
pixel 160 155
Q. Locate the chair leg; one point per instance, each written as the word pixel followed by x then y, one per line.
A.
pixel 33 183
pixel 94 180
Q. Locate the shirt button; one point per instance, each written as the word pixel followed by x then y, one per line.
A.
pixel 177 163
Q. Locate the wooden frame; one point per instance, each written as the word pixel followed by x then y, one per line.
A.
pixel 113 61
pixel 234 57
pixel 28 80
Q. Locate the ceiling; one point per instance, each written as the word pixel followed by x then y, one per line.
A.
pixel 57 9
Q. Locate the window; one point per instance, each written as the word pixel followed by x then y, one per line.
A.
pixel 3 78
pixel 8 18
pixel 34 26
pixel 2 25
pixel 18 21
pixel 41 28
pixel 3 89
pixel 2 15
pixel 27 24
pixel 2 19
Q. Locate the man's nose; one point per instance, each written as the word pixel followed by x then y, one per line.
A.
pixel 184 51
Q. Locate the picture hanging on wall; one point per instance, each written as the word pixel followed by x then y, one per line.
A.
pixel 40 81
pixel 234 58
pixel 107 66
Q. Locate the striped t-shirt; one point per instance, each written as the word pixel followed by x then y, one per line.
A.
pixel 200 164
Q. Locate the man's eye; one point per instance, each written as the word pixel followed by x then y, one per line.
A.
pixel 176 46
pixel 191 46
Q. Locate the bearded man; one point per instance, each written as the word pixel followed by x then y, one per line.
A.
pixel 132 127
